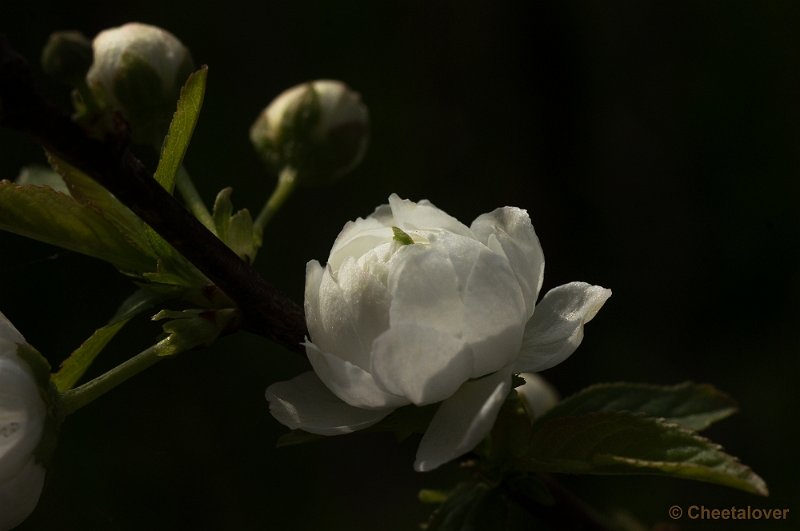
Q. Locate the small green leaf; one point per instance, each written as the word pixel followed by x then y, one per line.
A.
pixel 181 128
pixel 693 406
pixel 626 443
pixel 74 367
pixel 401 236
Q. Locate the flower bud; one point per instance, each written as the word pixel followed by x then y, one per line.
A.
pixel 320 129
pixel 24 425
pixel 139 70
pixel 537 394
pixel 67 57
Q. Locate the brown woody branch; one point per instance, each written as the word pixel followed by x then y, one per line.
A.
pixel 266 311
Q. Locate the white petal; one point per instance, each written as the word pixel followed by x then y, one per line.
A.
pixel 537 394
pixel 305 403
pixel 463 420
pixel 20 493
pixel 349 382
pixel 359 236
pixel 8 332
pixel 556 328
pixel 22 415
pixel 409 215
pixel 494 309
pixel 424 364
pixel 314 274
pixel 336 330
pixel 424 289
pixel 366 300
pixel 509 230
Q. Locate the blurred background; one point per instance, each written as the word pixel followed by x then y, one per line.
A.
pixel 654 144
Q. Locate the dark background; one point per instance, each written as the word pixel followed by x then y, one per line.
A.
pixel 655 145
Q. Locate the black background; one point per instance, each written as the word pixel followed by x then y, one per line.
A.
pixel 655 145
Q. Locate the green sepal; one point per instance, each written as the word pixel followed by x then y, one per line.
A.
pixel 693 406
pixel 40 368
pixel 189 329
pixel 628 443
pixel 402 237
pixel 235 230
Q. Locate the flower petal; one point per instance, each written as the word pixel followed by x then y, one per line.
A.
pixel 421 363
pixel 359 236
pixel 305 403
pixel 510 231
pixel 314 274
pixel 409 215
pixel 556 328
pixel 8 332
pixel 495 311
pixel 20 493
pixel 463 420
pixel 22 414
pixel 349 382
pixel 335 329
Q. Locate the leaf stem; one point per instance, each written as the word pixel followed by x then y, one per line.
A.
pixel 192 199
pixel 85 394
pixel 283 190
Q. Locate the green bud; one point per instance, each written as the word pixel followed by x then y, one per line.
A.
pixel 320 129
pixel 67 57
pixel 139 70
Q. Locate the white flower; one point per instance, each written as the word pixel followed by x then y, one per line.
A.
pixel 22 420
pixel 446 319
pixel 320 128
pixel 139 70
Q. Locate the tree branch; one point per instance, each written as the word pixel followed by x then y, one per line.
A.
pixel 266 311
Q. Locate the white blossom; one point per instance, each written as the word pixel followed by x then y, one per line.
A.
pixel 415 307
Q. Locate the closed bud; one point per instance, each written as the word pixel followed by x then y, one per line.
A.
pixel 67 57
pixel 139 70
pixel 320 129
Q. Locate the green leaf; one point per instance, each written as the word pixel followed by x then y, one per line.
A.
pixel 627 443
pixel 167 267
pixel 181 128
pixel 95 197
pixel 42 213
pixel 74 367
pixel 693 406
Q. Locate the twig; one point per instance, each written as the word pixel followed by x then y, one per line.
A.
pixel 266 310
